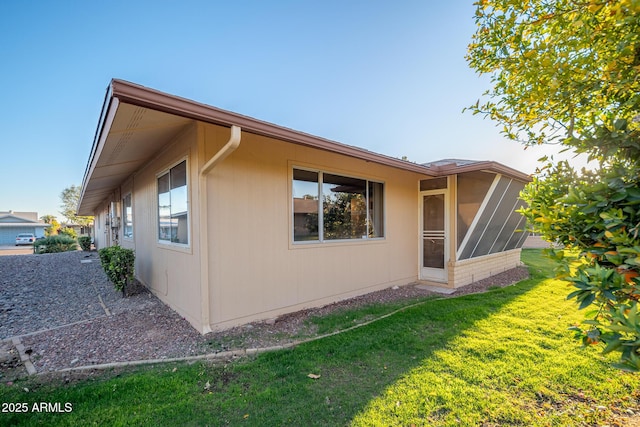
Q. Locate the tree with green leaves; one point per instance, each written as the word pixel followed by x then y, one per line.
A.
pixel 70 197
pixel 567 72
pixel 54 227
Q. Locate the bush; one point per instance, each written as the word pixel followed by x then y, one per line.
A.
pixel 118 264
pixel 85 242
pixel 596 214
pixel 68 231
pixel 55 244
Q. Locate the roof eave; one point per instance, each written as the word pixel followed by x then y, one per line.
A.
pixel 106 105
pixel 491 166
pixel 142 96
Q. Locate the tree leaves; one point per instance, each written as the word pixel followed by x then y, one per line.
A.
pixel 562 70
pixel 70 197
pixel 596 214
pixel 568 71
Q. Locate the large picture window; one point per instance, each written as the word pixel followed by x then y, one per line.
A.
pixel 334 207
pixel 173 213
pixel 127 217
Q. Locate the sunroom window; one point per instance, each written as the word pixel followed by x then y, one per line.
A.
pixel 173 213
pixel 328 207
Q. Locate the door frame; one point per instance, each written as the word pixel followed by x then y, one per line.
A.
pixel 427 273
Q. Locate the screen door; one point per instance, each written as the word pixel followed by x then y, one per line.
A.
pixel 434 240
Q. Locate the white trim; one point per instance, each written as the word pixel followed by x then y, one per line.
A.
pixel 476 218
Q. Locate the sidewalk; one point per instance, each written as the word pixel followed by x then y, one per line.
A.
pixel 536 242
pixel 15 250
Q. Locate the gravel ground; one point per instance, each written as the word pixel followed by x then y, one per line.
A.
pixel 67 314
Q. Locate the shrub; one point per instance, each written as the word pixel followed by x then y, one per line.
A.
pixel 55 244
pixel 85 242
pixel 68 231
pixel 596 215
pixel 118 264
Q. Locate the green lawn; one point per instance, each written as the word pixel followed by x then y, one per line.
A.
pixel 500 358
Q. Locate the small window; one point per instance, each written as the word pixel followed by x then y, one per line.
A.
pixel 127 217
pixel 330 207
pixel 433 184
pixel 173 213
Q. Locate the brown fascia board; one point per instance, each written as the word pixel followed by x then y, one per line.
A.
pixel 142 96
pixel 452 168
pixel 106 104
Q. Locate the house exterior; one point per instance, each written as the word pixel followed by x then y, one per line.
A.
pixel 235 220
pixel 80 230
pixel 14 223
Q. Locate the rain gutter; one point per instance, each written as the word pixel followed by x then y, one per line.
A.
pixel 232 144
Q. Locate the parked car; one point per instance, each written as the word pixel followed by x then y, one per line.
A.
pixel 25 239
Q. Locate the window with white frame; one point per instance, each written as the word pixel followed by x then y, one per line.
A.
pixel 127 217
pixel 328 207
pixel 173 212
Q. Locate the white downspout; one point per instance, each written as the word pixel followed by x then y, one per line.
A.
pixel 231 145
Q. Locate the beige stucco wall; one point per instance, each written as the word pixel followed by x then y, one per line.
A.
pixel 171 272
pixel 241 263
pixel 256 271
pixel 99 227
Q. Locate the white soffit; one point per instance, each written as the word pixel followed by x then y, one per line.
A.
pixel 136 134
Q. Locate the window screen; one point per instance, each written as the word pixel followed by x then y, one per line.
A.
pixel 472 189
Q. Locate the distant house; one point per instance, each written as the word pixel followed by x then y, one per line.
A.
pixel 81 230
pixel 14 223
pixel 234 219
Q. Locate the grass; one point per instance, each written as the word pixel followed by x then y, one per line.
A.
pixel 342 319
pixel 500 358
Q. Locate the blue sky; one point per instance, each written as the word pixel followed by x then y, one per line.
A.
pixel 388 76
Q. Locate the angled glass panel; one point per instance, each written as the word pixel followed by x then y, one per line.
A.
pixel 478 233
pixel 472 189
pixel 503 210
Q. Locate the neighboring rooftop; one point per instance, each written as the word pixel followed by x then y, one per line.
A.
pixel 31 216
